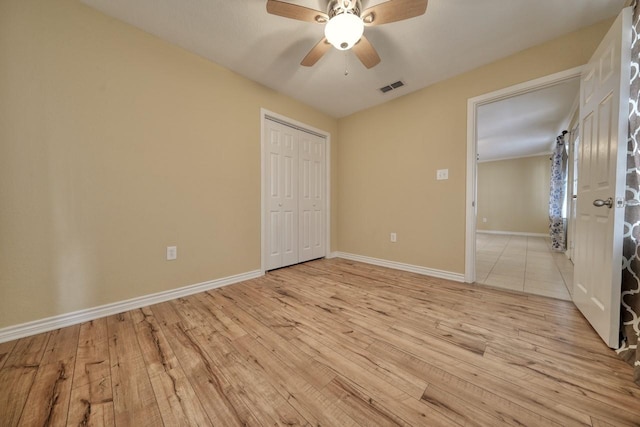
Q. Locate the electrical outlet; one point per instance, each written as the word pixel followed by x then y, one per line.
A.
pixel 394 237
pixel 442 174
pixel 484 219
pixel 172 253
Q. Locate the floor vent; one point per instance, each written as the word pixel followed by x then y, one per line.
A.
pixel 392 86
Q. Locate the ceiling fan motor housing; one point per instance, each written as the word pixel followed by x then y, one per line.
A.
pixel 336 7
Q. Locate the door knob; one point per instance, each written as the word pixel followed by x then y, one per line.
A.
pixel 280 204
pixel 600 203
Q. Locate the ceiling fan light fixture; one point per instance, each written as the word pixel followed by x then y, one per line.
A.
pixel 344 30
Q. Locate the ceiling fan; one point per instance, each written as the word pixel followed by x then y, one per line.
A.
pixel 345 21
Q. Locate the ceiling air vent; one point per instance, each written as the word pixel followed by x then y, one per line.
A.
pixel 392 86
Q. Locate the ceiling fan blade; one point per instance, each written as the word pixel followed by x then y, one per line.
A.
pixel 393 11
pixel 294 11
pixel 316 53
pixel 366 53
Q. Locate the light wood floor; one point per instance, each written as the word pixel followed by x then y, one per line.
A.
pixel 328 343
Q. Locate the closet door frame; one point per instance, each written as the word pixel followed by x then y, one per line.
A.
pixel 265 115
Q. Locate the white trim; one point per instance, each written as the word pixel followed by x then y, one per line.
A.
pixel 515 158
pixel 512 233
pixel 574 109
pixel 264 114
pixel 333 254
pixel 457 277
pixel 60 321
pixel 472 150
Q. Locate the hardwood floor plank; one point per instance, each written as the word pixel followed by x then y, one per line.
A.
pixel 578 372
pixel 360 406
pixel 504 377
pixel 431 357
pixel 380 408
pixel 583 396
pixel 386 396
pixel 269 312
pixel 602 423
pixel 260 398
pixel 313 372
pixel 217 395
pixel 303 396
pixel 84 410
pixel 47 403
pixel 601 355
pixel 134 402
pixel 5 350
pixel 18 374
pixel 177 401
pixel 367 361
pixel 465 387
pixel 328 342
pixel 91 394
pixel 458 409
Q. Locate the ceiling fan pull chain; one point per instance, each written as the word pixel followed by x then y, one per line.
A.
pixel 346 64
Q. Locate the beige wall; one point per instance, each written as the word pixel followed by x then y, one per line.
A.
pixel 389 156
pixel 114 145
pixel 513 195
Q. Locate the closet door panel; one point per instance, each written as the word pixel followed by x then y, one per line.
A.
pixel 282 203
pixel 311 202
pixel 289 201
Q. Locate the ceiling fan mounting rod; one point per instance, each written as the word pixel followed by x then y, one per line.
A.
pixel 337 7
pixel 347 4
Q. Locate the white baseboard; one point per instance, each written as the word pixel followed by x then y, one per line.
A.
pixel 332 255
pixel 60 321
pixel 457 277
pixel 513 233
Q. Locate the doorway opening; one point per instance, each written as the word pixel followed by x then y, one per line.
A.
pixel 507 224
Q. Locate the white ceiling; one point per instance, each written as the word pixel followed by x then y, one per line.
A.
pixel 453 36
pixel 528 124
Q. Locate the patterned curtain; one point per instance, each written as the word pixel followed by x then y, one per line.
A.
pixel 630 310
pixel 557 190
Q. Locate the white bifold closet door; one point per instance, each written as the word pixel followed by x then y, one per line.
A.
pixel 295 165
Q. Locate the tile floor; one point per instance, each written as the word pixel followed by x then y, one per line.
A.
pixel 524 264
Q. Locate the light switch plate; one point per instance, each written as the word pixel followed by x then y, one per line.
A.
pixel 172 253
pixel 442 174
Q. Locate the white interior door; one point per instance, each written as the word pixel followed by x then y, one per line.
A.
pixel 311 239
pixel 604 108
pixel 282 194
